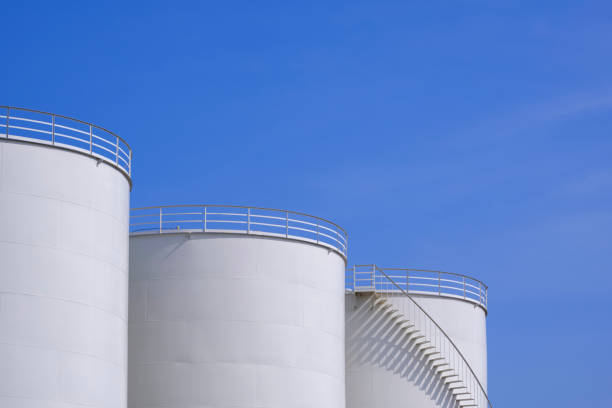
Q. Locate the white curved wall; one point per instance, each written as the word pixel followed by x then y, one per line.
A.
pixel 225 320
pixel 382 372
pixel 63 279
pixel 466 325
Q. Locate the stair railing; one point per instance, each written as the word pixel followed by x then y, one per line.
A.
pixel 383 285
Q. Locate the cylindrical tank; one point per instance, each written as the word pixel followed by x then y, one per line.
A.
pixel 395 350
pixel 236 317
pixel 64 215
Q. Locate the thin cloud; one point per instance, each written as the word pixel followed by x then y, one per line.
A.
pixel 595 182
pixel 530 116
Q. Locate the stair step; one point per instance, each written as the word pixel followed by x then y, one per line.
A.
pixel 417 342
pixel 410 330
pixel 417 337
pixel 454 385
pixel 382 303
pixel 393 312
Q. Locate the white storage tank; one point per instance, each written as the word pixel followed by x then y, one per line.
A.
pixel 235 307
pixel 415 335
pixel 64 216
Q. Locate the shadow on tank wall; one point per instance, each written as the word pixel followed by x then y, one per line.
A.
pixel 377 349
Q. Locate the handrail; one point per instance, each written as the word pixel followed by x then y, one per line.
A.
pixel 241 220
pixel 436 271
pixel 425 282
pixel 380 289
pixel 35 126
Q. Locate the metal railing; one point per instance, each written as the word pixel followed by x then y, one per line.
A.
pixel 39 127
pixel 362 278
pixel 383 285
pixel 241 220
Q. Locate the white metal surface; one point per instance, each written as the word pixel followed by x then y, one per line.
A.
pixel 382 368
pixel 235 320
pixel 239 220
pixel 464 323
pixel 39 127
pixel 63 279
pixel 385 324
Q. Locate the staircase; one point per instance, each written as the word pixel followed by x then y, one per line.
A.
pixel 425 338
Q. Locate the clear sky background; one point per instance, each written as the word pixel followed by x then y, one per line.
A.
pixel 469 136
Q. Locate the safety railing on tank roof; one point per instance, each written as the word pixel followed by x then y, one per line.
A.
pixel 384 286
pixel 46 128
pixel 362 278
pixel 240 220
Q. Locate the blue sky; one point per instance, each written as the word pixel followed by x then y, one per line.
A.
pixel 470 136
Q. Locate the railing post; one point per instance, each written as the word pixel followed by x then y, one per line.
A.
pixel 91 140
pixel 438 283
pixel 160 220
pixel 53 129
pixel 407 280
pixel 130 164
pixel 354 280
pixel 8 115
pixel 248 220
pixel 374 278
pixel 286 224
pixel 117 152
pixel 463 286
pixel 317 233
pixel 204 219
pixel 345 245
